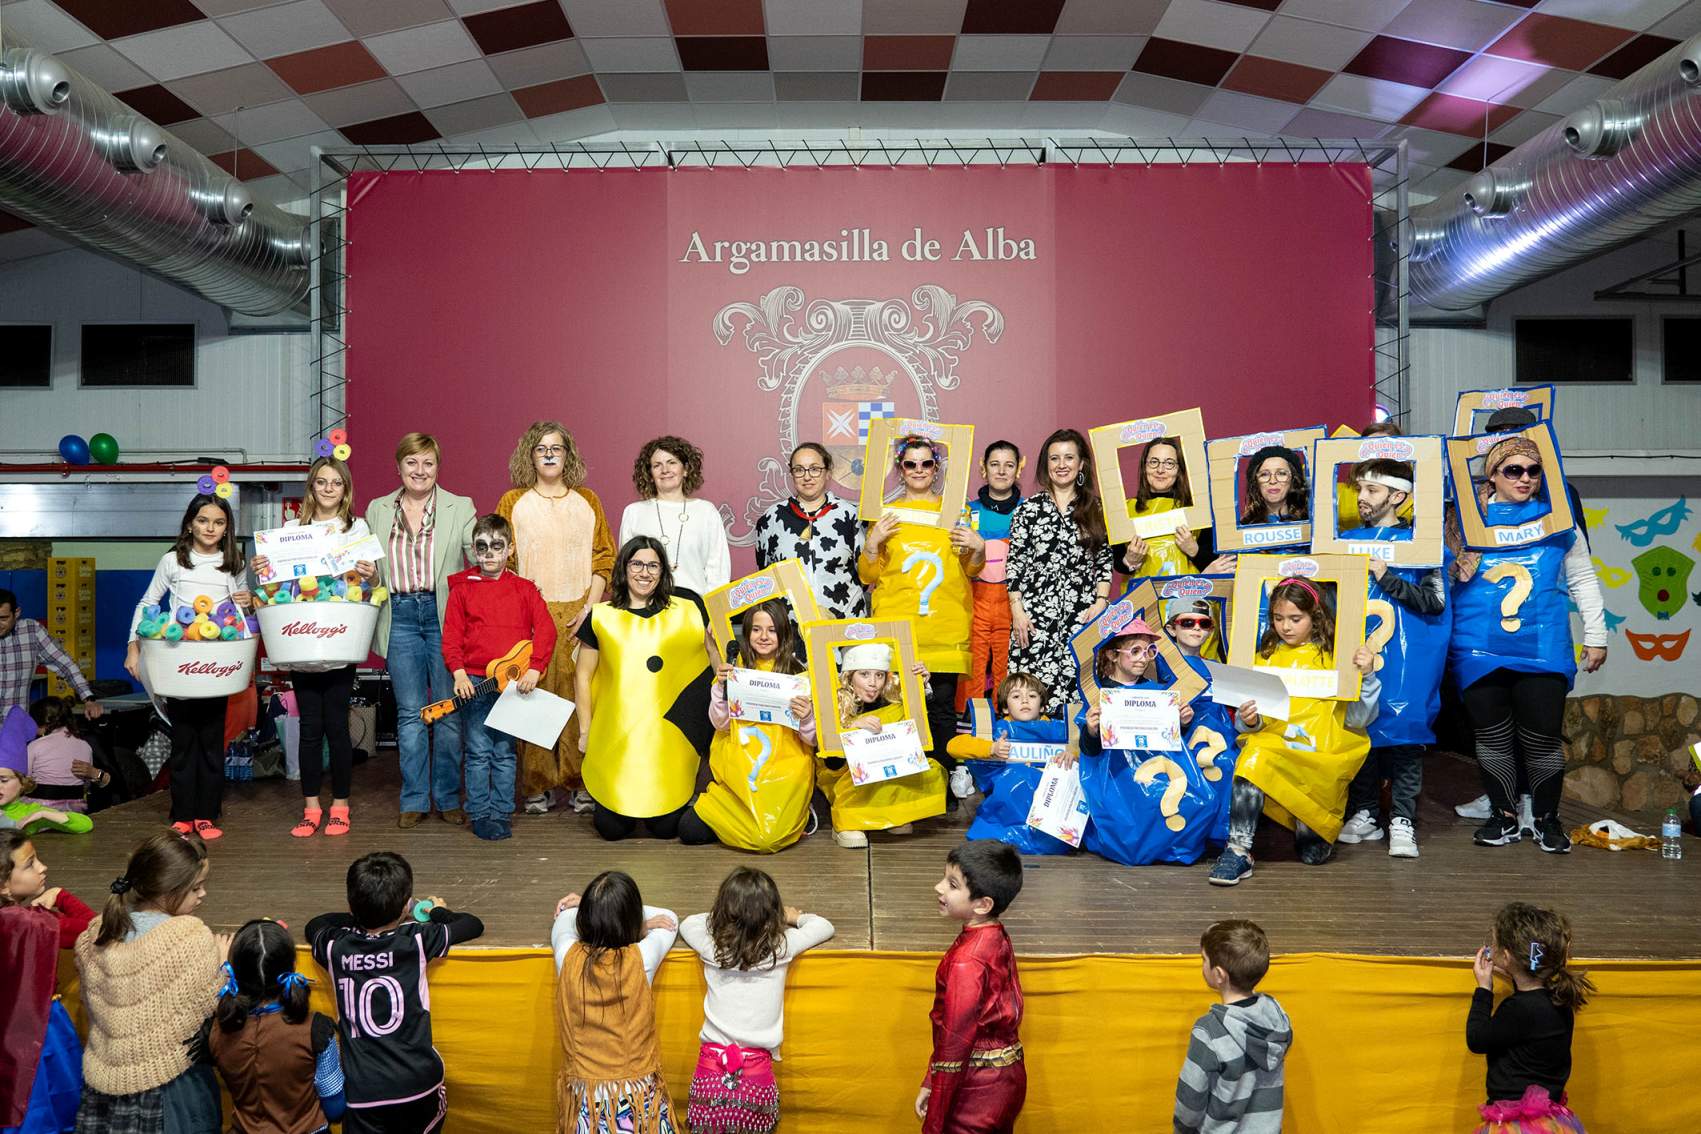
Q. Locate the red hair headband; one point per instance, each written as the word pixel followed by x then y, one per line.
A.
pixel 1304 585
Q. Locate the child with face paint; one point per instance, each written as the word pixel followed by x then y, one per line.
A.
pixel 491 609
pixel 870 697
pixel 1298 770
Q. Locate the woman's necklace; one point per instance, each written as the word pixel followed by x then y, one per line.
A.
pixel 809 517
pixel 564 493
pixel 679 536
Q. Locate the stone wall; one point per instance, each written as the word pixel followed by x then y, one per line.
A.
pixel 1629 753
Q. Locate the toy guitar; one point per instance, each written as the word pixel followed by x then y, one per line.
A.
pixel 502 672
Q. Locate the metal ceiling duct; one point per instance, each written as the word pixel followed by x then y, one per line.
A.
pixel 1616 170
pixel 82 165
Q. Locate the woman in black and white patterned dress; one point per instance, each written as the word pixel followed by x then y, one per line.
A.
pixel 821 530
pixel 1059 565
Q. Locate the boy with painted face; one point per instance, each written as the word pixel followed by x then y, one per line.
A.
pixel 491 609
pixel 1412 605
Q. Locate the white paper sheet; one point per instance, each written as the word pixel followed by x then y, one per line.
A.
pixel 1139 720
pixel 1232 685
pixel 1059 808
pixel 293 553
pixel 347 552
pixel 890 754
pixel 764 698
pixel 536 717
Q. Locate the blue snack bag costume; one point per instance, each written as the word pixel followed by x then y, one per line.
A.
pixel 1209 741
pixel 1534 636
pixel 1414 657
pixel 1007 789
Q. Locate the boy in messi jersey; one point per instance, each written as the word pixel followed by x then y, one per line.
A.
pixel 376 955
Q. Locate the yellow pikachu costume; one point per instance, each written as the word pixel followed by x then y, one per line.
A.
pixel 764 775
pixel 1304 764
pixel 919 574
pixel 888 803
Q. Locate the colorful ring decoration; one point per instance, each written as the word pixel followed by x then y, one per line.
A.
pixel 341 452
pixel 221 474
pixel 223 491
pixel 338 437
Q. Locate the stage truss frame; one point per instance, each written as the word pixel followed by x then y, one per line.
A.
pixel 1390 230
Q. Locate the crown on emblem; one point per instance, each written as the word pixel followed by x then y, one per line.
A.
pixel 856 384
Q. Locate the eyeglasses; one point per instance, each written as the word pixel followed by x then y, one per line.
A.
pixel 489 546
pixel 808 472
pixel 637 568
pixel 549 450
pixel 917 466
pixel 1138 651
pixel 1167 464
pixel 1275 476
pixel 1519 472
pixel 1187 622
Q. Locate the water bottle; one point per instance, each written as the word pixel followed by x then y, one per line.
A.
pixel 1671 835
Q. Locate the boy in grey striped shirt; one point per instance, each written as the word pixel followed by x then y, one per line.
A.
pixel 1232 1080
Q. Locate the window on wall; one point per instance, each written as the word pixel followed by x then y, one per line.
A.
pixel 1575 350
pixel 1680 347
pixel 26 356
pixel 138 354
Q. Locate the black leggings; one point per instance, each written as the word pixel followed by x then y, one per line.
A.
pixel 323 700
pixel 1519 722
pixel 693 832
pixel 197 757
pixel 1246 804
pixel 614 826
pixel 942 718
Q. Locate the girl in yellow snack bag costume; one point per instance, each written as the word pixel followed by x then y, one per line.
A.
pixel 870 697
pixel 1298 770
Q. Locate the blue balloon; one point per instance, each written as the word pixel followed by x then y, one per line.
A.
pixel 74 449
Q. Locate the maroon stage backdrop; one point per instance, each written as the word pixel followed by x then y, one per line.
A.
pixel 752 309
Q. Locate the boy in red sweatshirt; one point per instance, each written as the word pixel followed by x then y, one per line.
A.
pixel 490 610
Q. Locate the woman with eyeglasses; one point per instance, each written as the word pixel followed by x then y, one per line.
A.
pixel 1164 487
pixel 668 470
pixel 1511 649
pixel 818 529
pixel 1275 489
pixel 642 691
pixel 561 543
pixel 1059 563
pixel 922 571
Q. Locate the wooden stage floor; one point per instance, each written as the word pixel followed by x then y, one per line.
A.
pixel 1631 904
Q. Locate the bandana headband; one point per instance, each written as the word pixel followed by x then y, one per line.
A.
pixel 1399 484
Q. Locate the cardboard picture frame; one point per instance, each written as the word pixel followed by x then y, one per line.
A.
pixel 1478 533
pixel 1428 500
pixel 883 435
pixel 1217 589
pixel 785 579
pixel 1537 399
pixel 1107 443
pixel 824 637
pixel 1254 575
pixel 1224 456
pixel 1137 600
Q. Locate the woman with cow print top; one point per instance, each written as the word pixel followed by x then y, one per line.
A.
pixel 819 529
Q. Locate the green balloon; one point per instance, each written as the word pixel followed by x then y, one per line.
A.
pixel 103 447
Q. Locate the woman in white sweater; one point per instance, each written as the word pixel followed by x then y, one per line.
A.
pixel 205 561
pixel 668 470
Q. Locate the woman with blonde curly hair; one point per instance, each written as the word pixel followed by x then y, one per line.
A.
pixel 561 543
pixel 668 470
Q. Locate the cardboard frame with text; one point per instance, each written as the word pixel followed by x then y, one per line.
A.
pixel 1114 619
pixel 1212 588
pixel 1537 399
pixel 1427 500
pixel 1254 575
pixel 784 579
pixel 1108 441
pixel 884 433
pixel 1224 455
pixel 823 638
pixel 1479 534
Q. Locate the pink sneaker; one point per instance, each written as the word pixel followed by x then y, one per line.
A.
pixel 308 824
pixel 207 830
pixel 338 822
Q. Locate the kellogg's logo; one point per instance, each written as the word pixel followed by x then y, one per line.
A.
pixel 1301 568
pixel 753 590
pixel 1186 588
pixel 1505 399
pixel 312 630
pixel 1387 449
pixel 1139 432
pixel 1114 619
pixel 860 632
pixel 1253 442
pixel 208 669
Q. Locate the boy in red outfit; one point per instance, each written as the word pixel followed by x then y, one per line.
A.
pixel 490 610
pixel 976 1082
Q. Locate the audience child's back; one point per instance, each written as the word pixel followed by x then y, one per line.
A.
pixel 1232 1081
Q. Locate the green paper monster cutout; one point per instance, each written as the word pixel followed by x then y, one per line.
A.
pixel 1662 574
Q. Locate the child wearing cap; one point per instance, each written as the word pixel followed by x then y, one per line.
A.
pixel 870 696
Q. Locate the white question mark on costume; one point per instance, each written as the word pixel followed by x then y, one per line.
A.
pixel 925 559
pixel 1170 805
pixel 745 732
pixel 1211 744
pixel 1383 612
pixel 1522 585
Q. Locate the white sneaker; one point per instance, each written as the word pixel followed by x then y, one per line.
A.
pixel 537 804
pixel 1526 817
pixel 1361 828
pixel 811 824
pixel 582 803
pixel 851 840
pixel 1478 808
pixel 901 829
pixel 1402 840
pixel 962 784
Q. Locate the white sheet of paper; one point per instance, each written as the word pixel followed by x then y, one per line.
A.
pixel 1059 808
pixel 536 717
pixel 1139 720
pixel 1233 685
pixel 293 553
pixel 764 698
pixel 347 552
pixel 890 754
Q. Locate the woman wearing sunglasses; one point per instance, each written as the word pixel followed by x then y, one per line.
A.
pixel 819 530
pixel 561 543
pixel 922 571
pixel 1511 647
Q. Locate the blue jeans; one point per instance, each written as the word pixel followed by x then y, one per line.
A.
pixel 430 755
pixel 490 763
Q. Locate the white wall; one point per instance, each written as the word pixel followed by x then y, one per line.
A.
pixel 250 401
